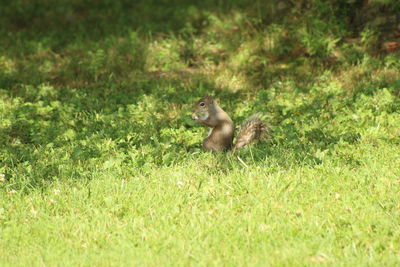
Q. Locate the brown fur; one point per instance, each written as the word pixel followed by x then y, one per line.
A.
pixel 207 112
pixel 252 129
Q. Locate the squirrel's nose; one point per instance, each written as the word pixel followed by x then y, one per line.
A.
pixel 194 116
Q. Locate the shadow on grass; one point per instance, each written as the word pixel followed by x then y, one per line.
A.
pixel 80 87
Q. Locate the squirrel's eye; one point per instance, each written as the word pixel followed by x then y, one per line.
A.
pixel 202 104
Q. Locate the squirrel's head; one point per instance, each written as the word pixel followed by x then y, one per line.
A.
pixel 202 109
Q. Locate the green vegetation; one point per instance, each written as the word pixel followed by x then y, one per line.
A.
pixel 101 164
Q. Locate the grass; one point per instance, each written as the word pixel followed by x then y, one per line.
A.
pixel 194 214
pixel 101 164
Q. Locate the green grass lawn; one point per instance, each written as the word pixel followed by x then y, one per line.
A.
pixel 100 163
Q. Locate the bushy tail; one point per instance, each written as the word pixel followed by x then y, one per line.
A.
pixel 252 129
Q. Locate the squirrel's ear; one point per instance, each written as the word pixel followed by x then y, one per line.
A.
pixel 208 98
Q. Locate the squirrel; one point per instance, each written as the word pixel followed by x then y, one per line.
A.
pixel 220 138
